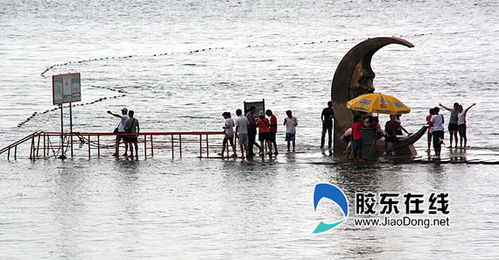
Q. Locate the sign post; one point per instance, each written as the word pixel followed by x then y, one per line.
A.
pixel 66 88
pixel 62 156
pixel 71 127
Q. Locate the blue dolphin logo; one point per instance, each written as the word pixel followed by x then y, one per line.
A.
pixel 333 193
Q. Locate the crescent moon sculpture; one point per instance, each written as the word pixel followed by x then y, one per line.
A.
pixel 354 77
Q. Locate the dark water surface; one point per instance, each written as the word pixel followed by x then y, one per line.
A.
pixel 198 208
pixel 283 51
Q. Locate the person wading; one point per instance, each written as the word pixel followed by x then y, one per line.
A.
pixel 327 124
pixel 272 129
pixel 452 122
pixel 242 132
pixel 251 131
pixel 120 130
pixel 132 127
pixel 437 131
pixel 290 122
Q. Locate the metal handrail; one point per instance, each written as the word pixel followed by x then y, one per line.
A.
pixel 141 133
pixel 41 141
pixel 18 142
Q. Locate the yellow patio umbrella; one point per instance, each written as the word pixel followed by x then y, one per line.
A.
pixel 378 103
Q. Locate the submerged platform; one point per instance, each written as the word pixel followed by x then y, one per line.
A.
pixel 326 157
pixel 160 145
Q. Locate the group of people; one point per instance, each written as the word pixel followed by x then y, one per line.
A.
pixel 393 128
pixel 246 127
pixel 354 139
pixel 128 125
pixel 457 124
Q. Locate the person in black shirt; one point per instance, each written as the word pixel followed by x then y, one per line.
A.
pixel 251 131
pixel 327 123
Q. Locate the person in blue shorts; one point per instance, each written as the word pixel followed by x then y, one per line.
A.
pixel 290 122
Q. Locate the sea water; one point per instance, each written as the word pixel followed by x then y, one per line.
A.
pixel 179 65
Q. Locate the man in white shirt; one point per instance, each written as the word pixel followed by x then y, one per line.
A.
pixel 242 132
pixel 118 130
pixel 437 131
pixel 290 122
pixel 229 134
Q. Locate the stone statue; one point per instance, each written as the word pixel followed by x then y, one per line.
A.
pixel 354 77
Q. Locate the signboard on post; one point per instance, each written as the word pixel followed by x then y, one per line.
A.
pixel 66 88
pixel 259 106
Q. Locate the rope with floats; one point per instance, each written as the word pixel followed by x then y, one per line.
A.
pixel 43 73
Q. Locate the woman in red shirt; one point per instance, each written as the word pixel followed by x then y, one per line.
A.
pixel 264 133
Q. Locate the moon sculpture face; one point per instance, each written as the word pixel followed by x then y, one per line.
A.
pixel 354 77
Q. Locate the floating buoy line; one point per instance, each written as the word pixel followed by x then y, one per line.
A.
pixel 121 92
pixel 43 74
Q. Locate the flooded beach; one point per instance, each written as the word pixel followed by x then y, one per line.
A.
pixel 179 65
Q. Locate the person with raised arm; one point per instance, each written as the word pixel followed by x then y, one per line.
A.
pixel 118 130
pixel 461 125
pixel 452 122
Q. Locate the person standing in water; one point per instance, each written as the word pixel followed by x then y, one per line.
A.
pixel 452 122
pixel 357 125
pixel 272 129
pixel 229 134
pixel 430 129
pixel 264 134
pixel 251 131
pixel 290 122
pixel 132 127
pixel 438 131
pixel 120 130
pixel 327 124
pixel 242 132
pixel 461 125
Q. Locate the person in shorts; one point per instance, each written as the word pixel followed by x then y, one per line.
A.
pixel 437 131
pixel 120 130
pixel 132 127
pixel 347 138
pixel 264 134
pixel 452 122
pixel 272 129
pixel 229 134
pixel 242 132
pixel 290 122
pixel 461 125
